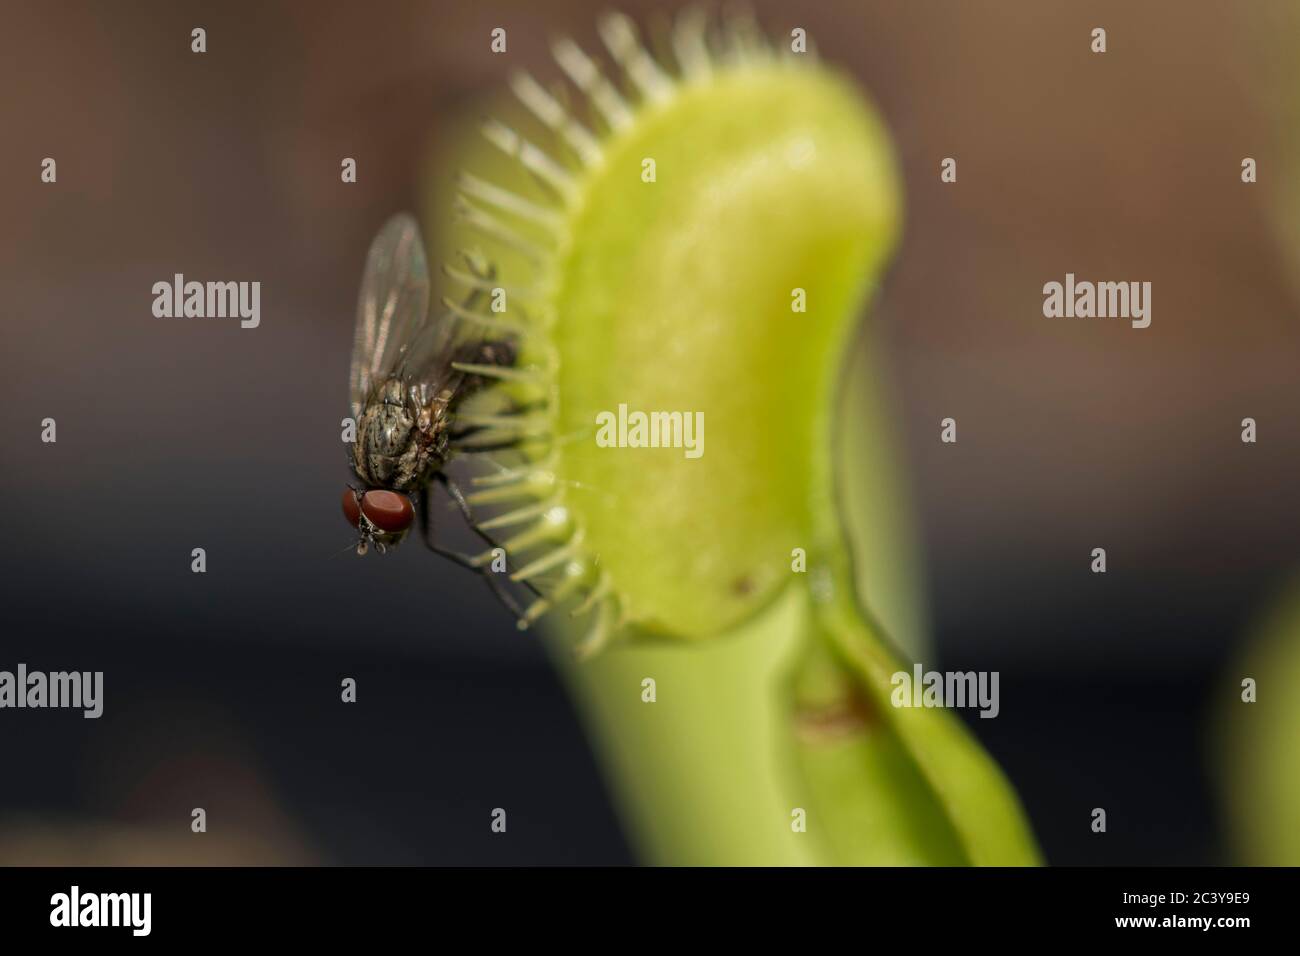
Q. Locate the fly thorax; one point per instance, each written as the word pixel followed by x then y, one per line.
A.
pixel 389 446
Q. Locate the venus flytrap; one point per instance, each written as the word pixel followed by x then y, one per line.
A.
pixel 1256 719
pixel 770 182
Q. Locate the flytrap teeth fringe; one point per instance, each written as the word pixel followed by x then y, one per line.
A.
pixel 490 323
pixel 480 283
pixel 540 473
pixel 536 161
pixel 586 76
pixel 552 114
pixel 502 373
pixel 504 493
pixel 549 537
pixel 493 229
pixel 619 35
pixel 518 515
pixel 489 443
pixel 549 561
pixel 595 596
pixel 551 527
pixel 489 435
pixel 607 618
pixel 473 188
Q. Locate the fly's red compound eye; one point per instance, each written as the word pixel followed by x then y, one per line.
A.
pixel 388 510
pixel 351 510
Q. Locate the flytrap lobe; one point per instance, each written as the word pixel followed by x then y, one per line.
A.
pixel 644 219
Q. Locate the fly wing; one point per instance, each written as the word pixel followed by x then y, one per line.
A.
pixel 393 311
pixel 425 367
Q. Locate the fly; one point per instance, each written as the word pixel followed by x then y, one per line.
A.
pixel 407 383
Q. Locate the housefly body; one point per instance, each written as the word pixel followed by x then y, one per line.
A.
pixel 411 371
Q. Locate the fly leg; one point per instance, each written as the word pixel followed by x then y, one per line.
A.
pixel 454 490
pixel 467 561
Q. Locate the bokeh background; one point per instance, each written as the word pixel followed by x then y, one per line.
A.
pixel 222 690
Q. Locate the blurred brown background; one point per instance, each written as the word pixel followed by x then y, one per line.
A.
pixel 174 434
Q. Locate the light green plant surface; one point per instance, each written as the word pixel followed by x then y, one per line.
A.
pixel 676 295
pixel 772 686
pixel 711 772
pixel 1258 744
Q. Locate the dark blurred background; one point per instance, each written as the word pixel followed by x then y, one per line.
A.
pixel 222 689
